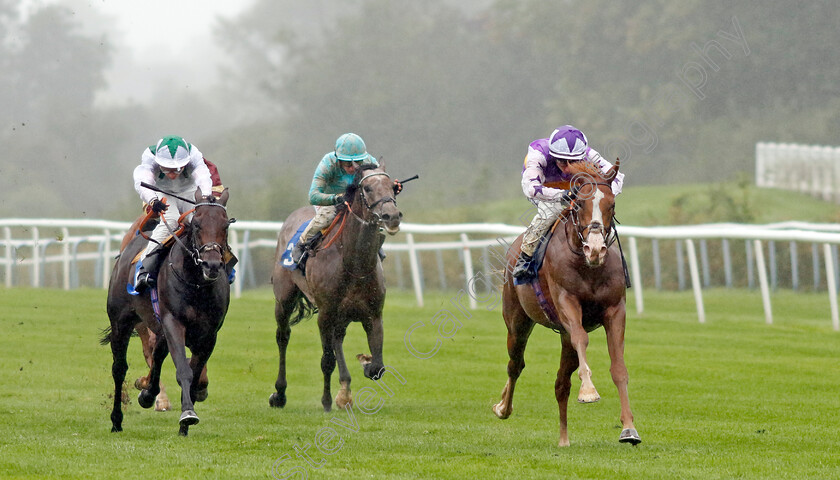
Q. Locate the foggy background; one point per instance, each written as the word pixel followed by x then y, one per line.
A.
pixel 451 89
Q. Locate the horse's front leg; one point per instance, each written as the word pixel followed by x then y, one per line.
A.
pixel 373 364
pixel 571 316
pixel 174 333
pixel 203 381
pixel 198 363
pixel 563 385
pixel 614 322
pixel 327 357
pixel 148 395
pixel 344 397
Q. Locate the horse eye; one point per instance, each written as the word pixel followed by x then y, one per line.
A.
pixel 368 189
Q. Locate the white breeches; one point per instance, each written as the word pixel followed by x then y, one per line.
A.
pixel 170 216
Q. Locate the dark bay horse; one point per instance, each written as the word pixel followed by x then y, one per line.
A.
pixel 143 225
pixel 343 280
pixel 193 293
pixel 582 280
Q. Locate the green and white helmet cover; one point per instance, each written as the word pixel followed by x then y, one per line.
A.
pixel 172 152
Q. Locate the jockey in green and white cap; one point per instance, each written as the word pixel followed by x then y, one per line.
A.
pixel 177 167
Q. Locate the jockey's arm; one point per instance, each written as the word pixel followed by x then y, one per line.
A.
pixel 145 173
pixel 618 181
pixel 320 182
pixel 201 174
pixel 533 178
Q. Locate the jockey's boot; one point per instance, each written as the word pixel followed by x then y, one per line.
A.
pixel 147 269
pixel 523 266
pixel 302 247
pixel 230 262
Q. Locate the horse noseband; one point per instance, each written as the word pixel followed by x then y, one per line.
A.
pixel 207 246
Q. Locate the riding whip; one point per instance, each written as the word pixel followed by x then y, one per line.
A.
pixel 156 189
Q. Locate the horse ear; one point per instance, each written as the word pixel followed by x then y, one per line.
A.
pixel 381 162
pixel 612 172
pixel 198 197
pixel 224 198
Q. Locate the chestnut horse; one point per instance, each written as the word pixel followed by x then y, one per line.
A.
pixel 193 294
pixel 343 279
pixel 582 285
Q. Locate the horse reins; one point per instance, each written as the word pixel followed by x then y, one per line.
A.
pixel 195 253
pixel 367 205
pixel 382 200
pixel 598 227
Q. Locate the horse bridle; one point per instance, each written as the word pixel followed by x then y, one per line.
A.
pixel 381 201
pixel 604 230
pixel 196 252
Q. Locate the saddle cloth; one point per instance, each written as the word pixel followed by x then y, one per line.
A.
pixel 286 259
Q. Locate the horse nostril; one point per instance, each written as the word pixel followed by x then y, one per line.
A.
pixel 386 216
pixel 400 215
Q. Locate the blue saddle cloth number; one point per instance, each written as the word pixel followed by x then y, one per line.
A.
pixel 286 259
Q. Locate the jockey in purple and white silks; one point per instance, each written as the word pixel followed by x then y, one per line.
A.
pixel 546 181
pixel 177 167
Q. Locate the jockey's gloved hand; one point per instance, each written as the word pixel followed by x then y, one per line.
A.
pixel 158 206
pixel 339 199
pixel 397 187
pixel 566 198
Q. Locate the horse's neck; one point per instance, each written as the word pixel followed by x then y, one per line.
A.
pixel 360 244
pixel 180 257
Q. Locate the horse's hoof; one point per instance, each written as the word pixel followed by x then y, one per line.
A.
pixel 183 430
pixel 145 399
pixel 276 400
pixel 343 401
pixel 589 397
pixel 141 383
pixel 116 428
pixel 201 395
pixel 188 417
pixel 631 436
pixel 162 404
pixel 497 409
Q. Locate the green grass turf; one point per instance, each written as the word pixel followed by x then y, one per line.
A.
pixel 733 398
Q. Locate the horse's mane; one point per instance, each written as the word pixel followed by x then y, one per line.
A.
pixel 587 168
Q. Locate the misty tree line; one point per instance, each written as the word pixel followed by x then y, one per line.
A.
pixel 452 90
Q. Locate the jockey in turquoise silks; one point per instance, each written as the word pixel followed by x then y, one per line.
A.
pixel 177 167
pixel 333 175
pixel 545 182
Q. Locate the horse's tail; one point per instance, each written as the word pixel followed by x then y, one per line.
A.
pixel 303 309
pixel 106 336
